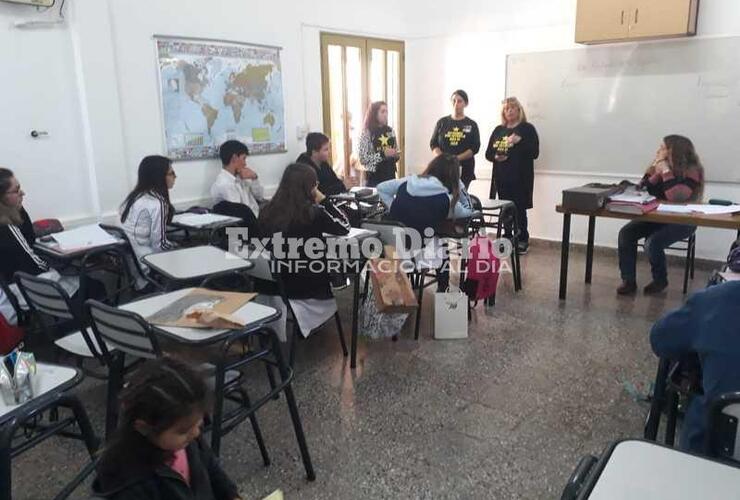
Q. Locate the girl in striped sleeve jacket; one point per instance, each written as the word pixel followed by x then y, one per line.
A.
pixel 676 175
pixel 147 210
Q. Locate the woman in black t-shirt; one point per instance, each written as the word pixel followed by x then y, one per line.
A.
pixel 378 149
pixel 458 135
pixel 513 147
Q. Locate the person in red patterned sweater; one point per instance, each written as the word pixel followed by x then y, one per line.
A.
pixel 676 175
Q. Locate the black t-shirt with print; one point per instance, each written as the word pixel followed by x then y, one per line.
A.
pixel 382 139
pixel 455 137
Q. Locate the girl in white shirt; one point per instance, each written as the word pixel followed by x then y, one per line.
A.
pixel 147 210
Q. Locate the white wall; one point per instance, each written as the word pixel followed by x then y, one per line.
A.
pixel 436 64
pixel 93 84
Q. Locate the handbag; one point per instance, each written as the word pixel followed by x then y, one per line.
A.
pixel 450 314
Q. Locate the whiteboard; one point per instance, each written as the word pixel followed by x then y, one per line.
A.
pixel 604 110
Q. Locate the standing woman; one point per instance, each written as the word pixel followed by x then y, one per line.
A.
pixel 676 175
pixel 147 210
pixel 513 147
pixel 378 149
pixel 458 135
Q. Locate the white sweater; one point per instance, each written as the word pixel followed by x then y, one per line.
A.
pixel 146 225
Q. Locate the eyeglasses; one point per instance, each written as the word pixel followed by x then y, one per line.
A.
pixel 172 174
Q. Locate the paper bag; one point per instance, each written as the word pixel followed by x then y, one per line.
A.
pixel 391 287
pixel 188 311
pixel 450 315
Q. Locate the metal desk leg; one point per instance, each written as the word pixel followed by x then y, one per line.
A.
pixel 656 406
pixel 590 247
pixel 564 250
pixel 355 317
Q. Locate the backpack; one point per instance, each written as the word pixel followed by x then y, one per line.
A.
pixel 481 275
pixel 10 336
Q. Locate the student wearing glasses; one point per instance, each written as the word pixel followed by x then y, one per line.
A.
pixel 147 210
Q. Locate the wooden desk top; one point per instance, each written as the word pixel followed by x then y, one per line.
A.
pixel 701 220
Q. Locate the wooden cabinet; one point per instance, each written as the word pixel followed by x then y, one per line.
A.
pixel 600 21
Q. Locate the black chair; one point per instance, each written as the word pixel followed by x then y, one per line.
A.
pixel 262 271
pixel 674 379
pixel 55 309
pixel 22 314
pixel 129 333
pixel 722 440
pixel 54 412
pixel 687 245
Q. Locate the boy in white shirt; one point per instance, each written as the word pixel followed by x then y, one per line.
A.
pixel 236 183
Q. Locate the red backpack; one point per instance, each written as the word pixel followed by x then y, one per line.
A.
pixel 10 336
pixel 482 269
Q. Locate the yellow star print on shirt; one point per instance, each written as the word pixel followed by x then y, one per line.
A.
pixel 384 141
pixel 454 136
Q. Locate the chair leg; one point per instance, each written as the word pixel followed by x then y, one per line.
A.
pixel 670 426
pixel 268 369
pixel 218 409
pixel 686 270
pixel 293 342
pixel 341 334
pixel 366 288
pixel 285 375
pixel 6 442
pixel 420 300
pixel 652 422
pixel 256 428
pixel 115 383
pixel 693 258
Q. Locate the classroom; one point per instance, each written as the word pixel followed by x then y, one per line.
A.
pixel 360 250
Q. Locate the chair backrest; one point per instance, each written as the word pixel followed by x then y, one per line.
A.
pixel 123 330
pixel 45 296
pixel 262 269
pixel 12 299
pixel 133 267
pixel 722 439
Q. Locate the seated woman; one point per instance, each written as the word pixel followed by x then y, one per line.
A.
pixel 17 238
pixel 428 199
pixel 676 175
pixel 299 210
pixel 147 210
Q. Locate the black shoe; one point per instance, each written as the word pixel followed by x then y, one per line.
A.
pixel 522 248
pixel 655 287
pixel 627 288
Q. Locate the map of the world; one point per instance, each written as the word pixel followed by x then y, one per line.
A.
pixel 215 91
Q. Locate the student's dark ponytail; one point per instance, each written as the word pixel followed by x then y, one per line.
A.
pixel 160 393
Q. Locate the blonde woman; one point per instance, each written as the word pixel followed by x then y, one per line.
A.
pixel 513 147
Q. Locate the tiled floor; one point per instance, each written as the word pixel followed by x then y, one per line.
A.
pixel 504 414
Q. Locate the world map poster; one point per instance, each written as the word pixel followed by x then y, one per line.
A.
pixel 215 91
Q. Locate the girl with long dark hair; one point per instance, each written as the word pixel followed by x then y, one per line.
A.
pixel 426 200
pixel 676 175
pixel 147 210
pixel 299 210
pixel 157 451
pixel 378 148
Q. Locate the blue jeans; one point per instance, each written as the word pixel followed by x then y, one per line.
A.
pixel 657 238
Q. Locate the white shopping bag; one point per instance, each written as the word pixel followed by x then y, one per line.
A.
pixel 450 314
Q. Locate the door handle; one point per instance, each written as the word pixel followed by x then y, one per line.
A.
pixel 622 22
pixel 637 15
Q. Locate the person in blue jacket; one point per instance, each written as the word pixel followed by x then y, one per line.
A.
pixel 428 199
pixel 707 326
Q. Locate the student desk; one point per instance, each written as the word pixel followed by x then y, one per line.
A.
pixel 255 314
pixel 193 263
pixel 699 220
pixel 51 385
pixel 633 469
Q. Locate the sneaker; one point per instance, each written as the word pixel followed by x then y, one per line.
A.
pixel 339 281
pixel 655 287
pixel 522 248
pixel 627 288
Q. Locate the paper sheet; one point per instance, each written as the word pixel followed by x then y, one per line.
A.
pixel 83 237
pixel 354 233
pixel 632 197
pixel 699 208
pixel 201 220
